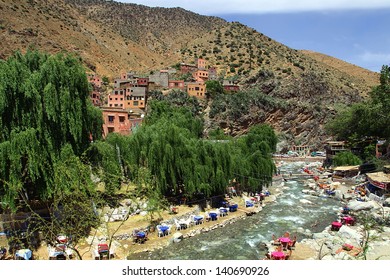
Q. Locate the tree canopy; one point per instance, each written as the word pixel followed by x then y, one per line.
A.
pixel 366 119
pixel 171 146
pixel 44 107
pixel 346 159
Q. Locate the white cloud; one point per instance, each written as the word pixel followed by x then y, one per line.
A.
pixel 375 57
pixel 211 7
pixel 371 60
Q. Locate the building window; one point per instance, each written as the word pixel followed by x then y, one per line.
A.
pixel 135 103
pixel 121 119
pixel 111 119
pixel 111 129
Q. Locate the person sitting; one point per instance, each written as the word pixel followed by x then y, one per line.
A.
pixel 279 248
pixel 267 256
pixel 207 216
pixel 288 255
pixel 291 244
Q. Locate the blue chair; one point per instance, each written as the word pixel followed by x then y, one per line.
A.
pixel 223 211
pixel 213 216
pixel 233 208
pixel 248 204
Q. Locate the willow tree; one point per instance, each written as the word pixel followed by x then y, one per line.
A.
pixel 44 105
pixel 171 147
pixel 253 166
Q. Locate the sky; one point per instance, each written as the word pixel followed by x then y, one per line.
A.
pixel 356 31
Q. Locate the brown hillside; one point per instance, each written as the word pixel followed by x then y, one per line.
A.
pixel 369 77
pixel 112 37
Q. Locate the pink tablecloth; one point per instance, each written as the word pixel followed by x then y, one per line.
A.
pixel 349 220
pixel 278 255
pixel 336 226
pixel 284 239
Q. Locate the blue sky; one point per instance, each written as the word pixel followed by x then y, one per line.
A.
pixel 356 31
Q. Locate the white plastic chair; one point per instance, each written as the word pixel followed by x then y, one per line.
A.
pixel 159 231
pixel 177 224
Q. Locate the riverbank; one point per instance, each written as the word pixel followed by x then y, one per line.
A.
pixel 120 232
pixel 365 239
pixel 207 237
pixel 242 212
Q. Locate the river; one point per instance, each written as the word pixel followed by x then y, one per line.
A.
pixel 243 239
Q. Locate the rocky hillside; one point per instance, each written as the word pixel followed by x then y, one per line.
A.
pixel 300 90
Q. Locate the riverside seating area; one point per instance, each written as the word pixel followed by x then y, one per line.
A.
pixel 282 247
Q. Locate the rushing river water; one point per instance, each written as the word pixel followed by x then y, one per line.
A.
pixel 242 240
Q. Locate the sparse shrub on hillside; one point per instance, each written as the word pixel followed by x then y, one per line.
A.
pixel 239 104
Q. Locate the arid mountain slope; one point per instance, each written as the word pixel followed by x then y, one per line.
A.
pixel 112 37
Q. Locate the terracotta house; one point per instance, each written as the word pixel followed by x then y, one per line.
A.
pixel 177 84
pixel 187 68
pixel 142 82
pixel 135 98
pixel 201 63
pixel 95 98
pixel 196 89
pixel 116 98
pixel 115 120
pixel 95 80
pixel 201 75
pixel 213 73
pixel 230 86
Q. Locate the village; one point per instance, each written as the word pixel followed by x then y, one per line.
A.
pixel 125 106
pixel 126 230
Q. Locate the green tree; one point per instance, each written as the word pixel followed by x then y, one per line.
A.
pixel 44 106
pixel 346 158
pixel 213 88
pixel 369 118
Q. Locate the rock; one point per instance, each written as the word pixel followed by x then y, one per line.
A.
pixel 338 194
pixel 177 237
pixel 347 196
pixel 362 205
pixel 305 201
pixel 143 213
pixel 271 198
pixel 350 233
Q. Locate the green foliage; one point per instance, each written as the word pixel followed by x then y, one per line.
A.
pixel 239 104
pixel 170 146
pixel 345 159
pixel 44 106
pixel 366 119
pixel 213 88
pixel 218 134
pixel 103 157
pixel 105 80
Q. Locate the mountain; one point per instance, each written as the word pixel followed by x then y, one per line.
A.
pixel 304 89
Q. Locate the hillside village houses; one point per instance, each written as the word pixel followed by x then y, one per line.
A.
pixel 124 110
